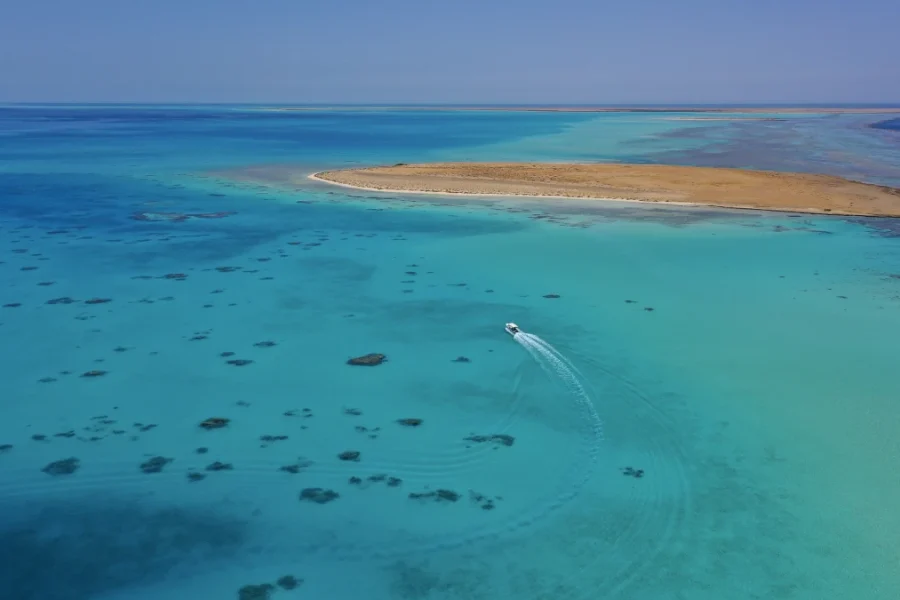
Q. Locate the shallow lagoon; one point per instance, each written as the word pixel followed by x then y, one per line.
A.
pixel 756 397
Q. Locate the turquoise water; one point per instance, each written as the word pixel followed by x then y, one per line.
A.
pixel 757 398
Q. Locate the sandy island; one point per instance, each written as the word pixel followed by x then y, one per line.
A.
pixel 705 186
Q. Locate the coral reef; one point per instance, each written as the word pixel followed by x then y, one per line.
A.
pixel 288 582
pixel 319 495
pixel 178 217
pixel 66 466
pixel 240 362
pixel 215 423
pixel 219 466
pixel 296 467
pixel 500 438
pixel 632 472
pixel 256 592
pixel 95 373
pixel 368 360
pixel 155 464
pixel 441 495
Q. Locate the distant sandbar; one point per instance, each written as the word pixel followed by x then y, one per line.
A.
pixel 610 109
pixel 704 186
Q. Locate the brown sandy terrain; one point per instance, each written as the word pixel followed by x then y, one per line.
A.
pixel 732 188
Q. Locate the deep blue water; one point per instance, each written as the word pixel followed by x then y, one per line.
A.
pixel 742 363
pixel 890 124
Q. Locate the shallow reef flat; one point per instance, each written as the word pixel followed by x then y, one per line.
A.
pixel 221 379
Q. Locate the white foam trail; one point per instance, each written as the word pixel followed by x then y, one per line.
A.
pixel 558 366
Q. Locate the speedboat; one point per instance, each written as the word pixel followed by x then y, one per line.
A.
pixel 512 329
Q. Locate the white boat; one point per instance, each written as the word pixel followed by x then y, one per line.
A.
pixel 512 329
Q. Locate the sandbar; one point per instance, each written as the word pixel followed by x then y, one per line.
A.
pixel 606 109
pixel 664 184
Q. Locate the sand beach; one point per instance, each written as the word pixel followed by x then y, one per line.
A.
pixel 731 188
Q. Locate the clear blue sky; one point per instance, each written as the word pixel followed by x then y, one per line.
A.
pixel 491 51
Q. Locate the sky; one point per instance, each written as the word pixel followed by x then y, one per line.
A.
pixel 451 51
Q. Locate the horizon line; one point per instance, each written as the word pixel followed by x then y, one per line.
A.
pixel 276 104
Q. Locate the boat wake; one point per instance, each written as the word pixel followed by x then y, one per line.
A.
pixel 560 368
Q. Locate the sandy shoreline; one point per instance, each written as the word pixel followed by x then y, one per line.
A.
pixel 316 177
pixel 660 184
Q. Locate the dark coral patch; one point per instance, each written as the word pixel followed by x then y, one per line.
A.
pixel 94 373
pixel 240 362
pixel 437 496
pixel 155 464
pixel 368 360
pixel 215 423
pixel 632 472
pixel 219 466
pixel 500 438
pixel 256 592
pixel 288 582
pixel 319 495
pixel 177 217
pixel 66 466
